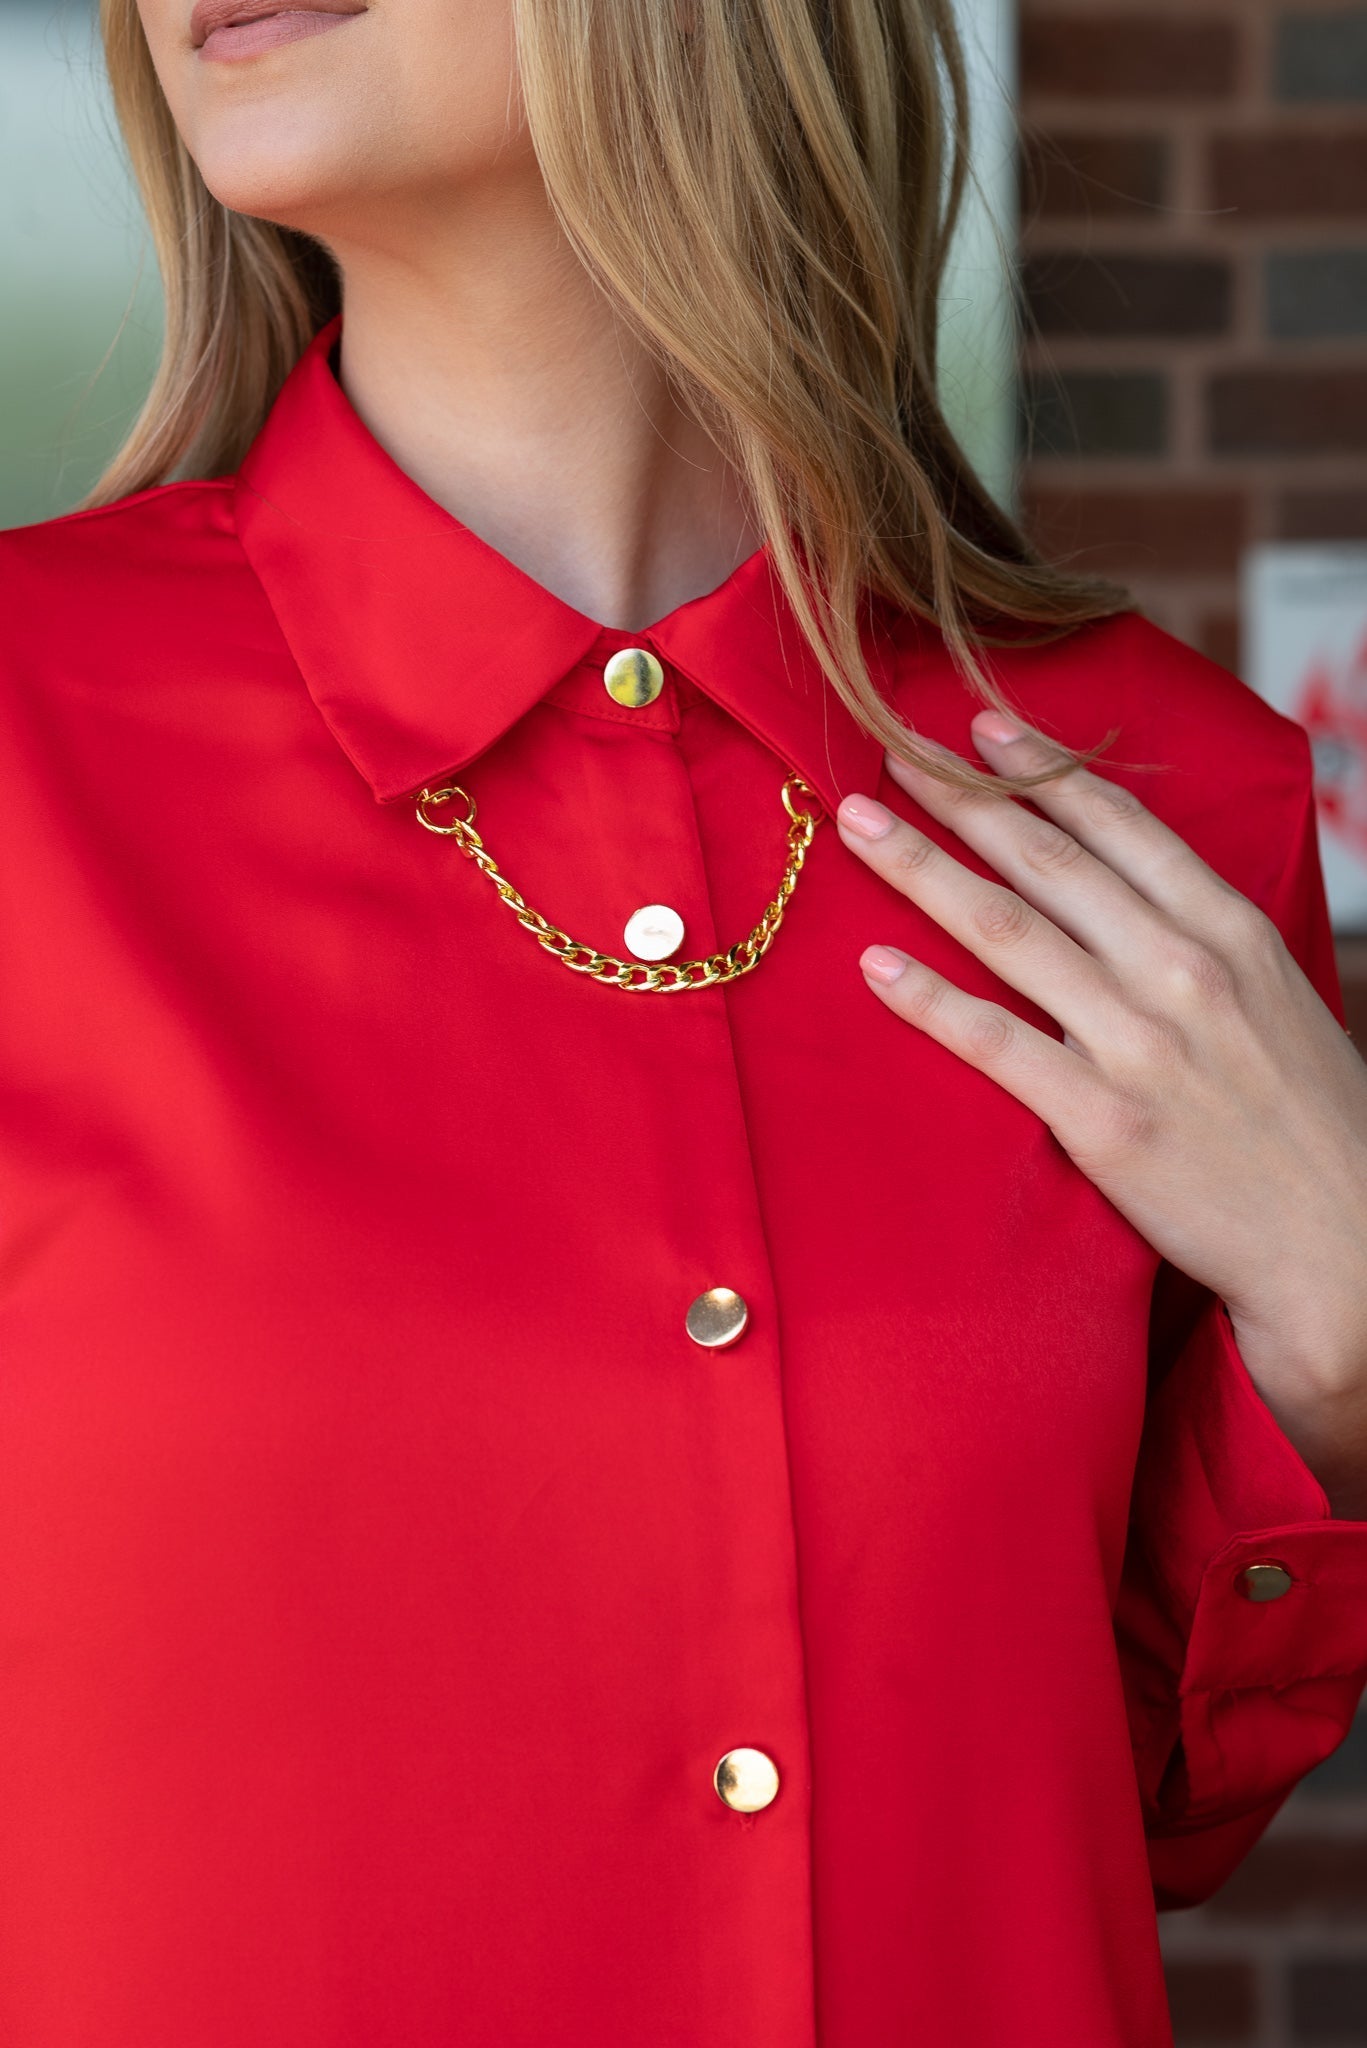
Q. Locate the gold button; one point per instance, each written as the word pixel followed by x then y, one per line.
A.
pixel 1264 1581
pixel 654 932
pixel 746 1779
pixel 716 1318
pixel 633 677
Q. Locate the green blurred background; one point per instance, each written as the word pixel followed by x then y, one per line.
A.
pixel 78 283
pixel 80 301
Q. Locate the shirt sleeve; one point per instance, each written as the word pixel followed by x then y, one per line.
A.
pixel 1237 1684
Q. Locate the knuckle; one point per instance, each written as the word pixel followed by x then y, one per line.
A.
pixel 989 1033
pixel 1050 852
pixel 912 852
pixel 1199 975
pixel 1109 803
pixel 1001 918
pixel 925 997
pixel 958 797
pixel 1130 1121
pixel 1250 931
pixel 1157 1041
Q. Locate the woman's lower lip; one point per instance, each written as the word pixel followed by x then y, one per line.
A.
pixel 245 38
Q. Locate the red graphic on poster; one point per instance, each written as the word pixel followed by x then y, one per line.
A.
pixel 1331 703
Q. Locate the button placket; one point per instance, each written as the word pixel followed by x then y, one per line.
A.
pixel 745 1780
pixel 634 678
pixel 637 695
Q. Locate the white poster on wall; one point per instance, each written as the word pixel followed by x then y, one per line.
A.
pixel 1305 640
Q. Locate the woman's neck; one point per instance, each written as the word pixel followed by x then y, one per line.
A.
pixel 497 377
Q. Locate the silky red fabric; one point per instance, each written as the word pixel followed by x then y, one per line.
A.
pixel 384 1569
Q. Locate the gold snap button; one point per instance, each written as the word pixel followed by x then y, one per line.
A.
pixel 1264 1581
pixel 655 932
pixel 716 1318
pixel 633 677
pixel 746 1779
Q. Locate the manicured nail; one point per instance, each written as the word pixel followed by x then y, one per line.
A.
pixel 862 814
pixel 995 726
pixel 883 963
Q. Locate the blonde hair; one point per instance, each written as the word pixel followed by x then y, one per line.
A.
pixel 767 189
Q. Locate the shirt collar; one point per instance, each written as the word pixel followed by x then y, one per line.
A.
pixel 421 644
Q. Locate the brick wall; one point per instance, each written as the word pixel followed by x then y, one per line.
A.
pixel 1194 212
pixel 1195 252
pixel 1279 1956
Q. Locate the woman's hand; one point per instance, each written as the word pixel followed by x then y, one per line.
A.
pixel 1201 1083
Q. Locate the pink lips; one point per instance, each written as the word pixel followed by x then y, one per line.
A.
pixel 240 28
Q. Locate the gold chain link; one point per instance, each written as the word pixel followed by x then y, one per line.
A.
pixel 666 977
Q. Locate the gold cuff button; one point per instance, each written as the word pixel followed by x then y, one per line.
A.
pixel 746 1779
pixel 633 677
pixel 655 932
pixel 716 1319
pixel 1264 1581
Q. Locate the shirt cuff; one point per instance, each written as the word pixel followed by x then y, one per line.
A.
pixel 1223 1488
pixel 1275 1587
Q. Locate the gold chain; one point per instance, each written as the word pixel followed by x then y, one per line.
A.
pixel 666 977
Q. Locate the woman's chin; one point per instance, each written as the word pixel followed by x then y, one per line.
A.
pixel 294 194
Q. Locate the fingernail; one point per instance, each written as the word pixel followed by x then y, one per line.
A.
pixel 862 814
pixel 996 726
pixel 883 963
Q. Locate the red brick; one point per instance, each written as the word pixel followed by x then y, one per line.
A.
pixel 1276 176
pixel 1322 56
pixel 1288 412
pixel 1172 531
pixel 1077 292
pixel 1328 1999
pixel 1099 413
pixel 1323 515
pixel 1213 2000
pixel 1128 56
pixel 1099 176
pixel 1321 1874
pixel 1220 636
pixel 1352 965
pixel 1343 1774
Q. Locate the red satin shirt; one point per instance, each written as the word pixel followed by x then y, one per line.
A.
pixel 384 1569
